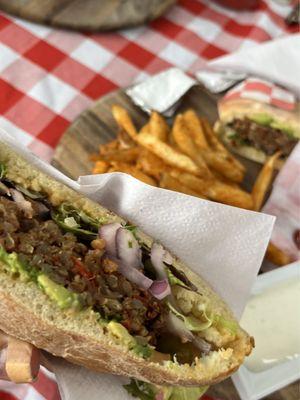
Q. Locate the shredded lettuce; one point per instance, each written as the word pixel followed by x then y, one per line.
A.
pixel 232 326
pixel 177 277
pixel 173 280
pixel 131 228
pixel 147 391
pixel 30 193
pixel 191 323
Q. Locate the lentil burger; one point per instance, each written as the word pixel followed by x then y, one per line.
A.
pixel 256 130
pixel 78 281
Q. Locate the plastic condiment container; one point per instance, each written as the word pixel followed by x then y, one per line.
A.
pixel 271 314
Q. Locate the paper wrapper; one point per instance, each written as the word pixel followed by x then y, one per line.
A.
pixel 277 61
pixel 284 203
pixel 223 244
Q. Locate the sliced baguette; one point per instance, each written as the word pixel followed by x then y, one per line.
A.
pixel 28 314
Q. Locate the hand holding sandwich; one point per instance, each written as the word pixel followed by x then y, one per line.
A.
pixel 19 361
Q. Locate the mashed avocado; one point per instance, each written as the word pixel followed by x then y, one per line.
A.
pixel 262 119
pixel 124 338
pixel 283 127
pixel 13 265
pixel 62 296
pixel 267 120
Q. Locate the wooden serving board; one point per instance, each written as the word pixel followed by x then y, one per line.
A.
pixel 96 126
pixel 92 15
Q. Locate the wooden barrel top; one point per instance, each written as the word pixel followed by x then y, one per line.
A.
pixel 91 15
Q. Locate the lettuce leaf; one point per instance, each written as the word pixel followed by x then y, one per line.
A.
pixel 77 222
pixel 187 393
pixel 147 391
pixel 191 323
pixel 232 326
pixel 177 277
pixel 173 280
pixel 141 390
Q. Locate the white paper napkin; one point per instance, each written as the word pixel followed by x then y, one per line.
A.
pixel 277 61
pixel 225 245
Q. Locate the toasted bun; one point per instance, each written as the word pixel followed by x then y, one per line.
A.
pixel 240 108
pixel 28 314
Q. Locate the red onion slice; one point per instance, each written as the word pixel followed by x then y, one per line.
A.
pixel 160 289
pixel 128 248
pixel 158 256
pixel 168 258
pixel 202 344
pixel 135 276
pixel 108 233
pixel 176 326
pixel 22 203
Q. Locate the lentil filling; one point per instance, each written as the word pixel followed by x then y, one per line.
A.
pixel 82 266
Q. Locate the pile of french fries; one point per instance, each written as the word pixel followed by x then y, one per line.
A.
pixel 187 157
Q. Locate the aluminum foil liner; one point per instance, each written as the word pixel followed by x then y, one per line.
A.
pixel 219 81
pixel 162 92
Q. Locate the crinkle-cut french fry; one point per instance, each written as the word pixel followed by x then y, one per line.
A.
pixel 195 128
pixel 168 182
pixel 150 163
pixel 129 155
pixel 100 167
pixel 158 126
pixel 263 181
pixel 132 170
pixel 220 163
pixel 277 256
pixel 167 153
pixel 186 144
pixel 217 145
pixel 124 120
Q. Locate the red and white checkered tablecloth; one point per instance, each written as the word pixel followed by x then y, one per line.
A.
pixel 48 76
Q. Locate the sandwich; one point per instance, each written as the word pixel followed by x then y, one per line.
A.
pixel 257 130
pixel 84 284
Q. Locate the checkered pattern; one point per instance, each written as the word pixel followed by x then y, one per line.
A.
pixel 284 203
pixel 263 91
pixel 48 76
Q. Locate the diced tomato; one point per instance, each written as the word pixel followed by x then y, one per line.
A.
pixel 81 269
